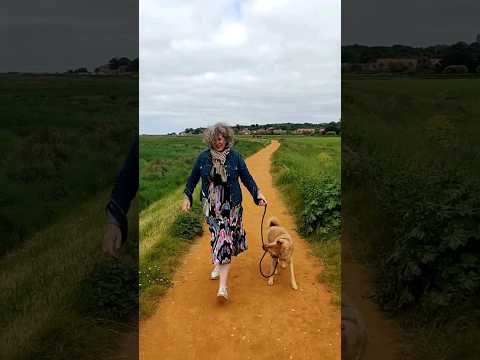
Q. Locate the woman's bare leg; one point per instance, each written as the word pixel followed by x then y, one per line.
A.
pixel 224 269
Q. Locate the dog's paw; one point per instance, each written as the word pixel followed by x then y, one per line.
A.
pixel 270 281
pixel 294 286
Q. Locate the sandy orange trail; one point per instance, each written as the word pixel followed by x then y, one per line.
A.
pixel 259 322
pixel 383 336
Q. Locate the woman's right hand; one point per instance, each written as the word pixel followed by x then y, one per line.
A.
pixel 186 204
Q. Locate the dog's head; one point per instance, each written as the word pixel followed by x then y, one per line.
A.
pixel 278 248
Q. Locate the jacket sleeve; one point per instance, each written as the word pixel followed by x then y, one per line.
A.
pixel 124 190
pixel 192 181
pixel 247 179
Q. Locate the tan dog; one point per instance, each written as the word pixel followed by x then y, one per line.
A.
pixel 280 247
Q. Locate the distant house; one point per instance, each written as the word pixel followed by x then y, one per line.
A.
pixel 105 70
pixel 244 132
pixel 436 63
pixel 455 69
pixel 395 65
pixel 330 133
pixel 392 65
pixel 279 131
pixel 260 132
pixel 305 131
pixel 322 131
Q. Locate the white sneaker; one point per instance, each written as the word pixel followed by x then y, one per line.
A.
pixel 222 295
pixel 215 274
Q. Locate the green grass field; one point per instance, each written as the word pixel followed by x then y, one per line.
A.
pixel 307 170
pixel 166 162
pixel 410 198
pixel 62 141
pixel 162 240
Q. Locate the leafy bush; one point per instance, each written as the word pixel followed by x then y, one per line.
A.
pixel 322 206
pixel 113 289
pixel 435 260
pixel 310 166
pixel 188 225
pixel 307 171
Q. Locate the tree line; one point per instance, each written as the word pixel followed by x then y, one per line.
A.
pixel 113 64
pixel 289 127
pixel 460 53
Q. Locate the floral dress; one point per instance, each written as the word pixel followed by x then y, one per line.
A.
pixel 228 236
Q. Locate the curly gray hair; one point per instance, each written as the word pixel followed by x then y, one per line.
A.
pixel 212 132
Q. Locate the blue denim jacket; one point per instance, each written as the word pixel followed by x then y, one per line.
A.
pixel 235 167
pixel 124 190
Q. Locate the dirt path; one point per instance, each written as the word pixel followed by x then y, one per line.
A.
pixel 259 321
pixel 383 339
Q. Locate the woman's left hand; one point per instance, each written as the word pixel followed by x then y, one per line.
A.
pixel 262 200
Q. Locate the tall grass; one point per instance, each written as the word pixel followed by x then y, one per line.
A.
pixel 411 200
pixel 45 313
pixel 307 170
pixel 62 141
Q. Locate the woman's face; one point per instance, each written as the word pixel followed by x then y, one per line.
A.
pixel 219 143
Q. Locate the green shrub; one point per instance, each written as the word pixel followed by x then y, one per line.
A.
pixel 307 170
pixel 434 262
pixel 112 289
pixel 322 206
pixel 187 225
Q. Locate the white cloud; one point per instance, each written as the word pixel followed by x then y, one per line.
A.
pixel 263 61
pixel 268 6
pixel 231 35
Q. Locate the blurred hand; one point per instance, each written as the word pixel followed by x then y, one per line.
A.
pixel 112 240
pixel 262 200
pixel 186 204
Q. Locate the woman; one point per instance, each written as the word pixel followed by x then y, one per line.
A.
pixel 220 167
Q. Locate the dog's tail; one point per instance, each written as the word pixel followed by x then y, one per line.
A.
pixel 273 222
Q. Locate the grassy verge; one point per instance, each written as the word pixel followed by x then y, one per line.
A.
pixel 411 200
pixel 161 249
pixel 165 232
pixel 307 171
pixel 53 128
pixel 50 308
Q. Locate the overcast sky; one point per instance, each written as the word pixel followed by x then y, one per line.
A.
pixel 245 62
pixel 409 22
pixel 57 35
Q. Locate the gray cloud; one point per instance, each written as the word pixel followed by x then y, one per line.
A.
pixel 238 61
pixel 409 22
pixel 50 35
